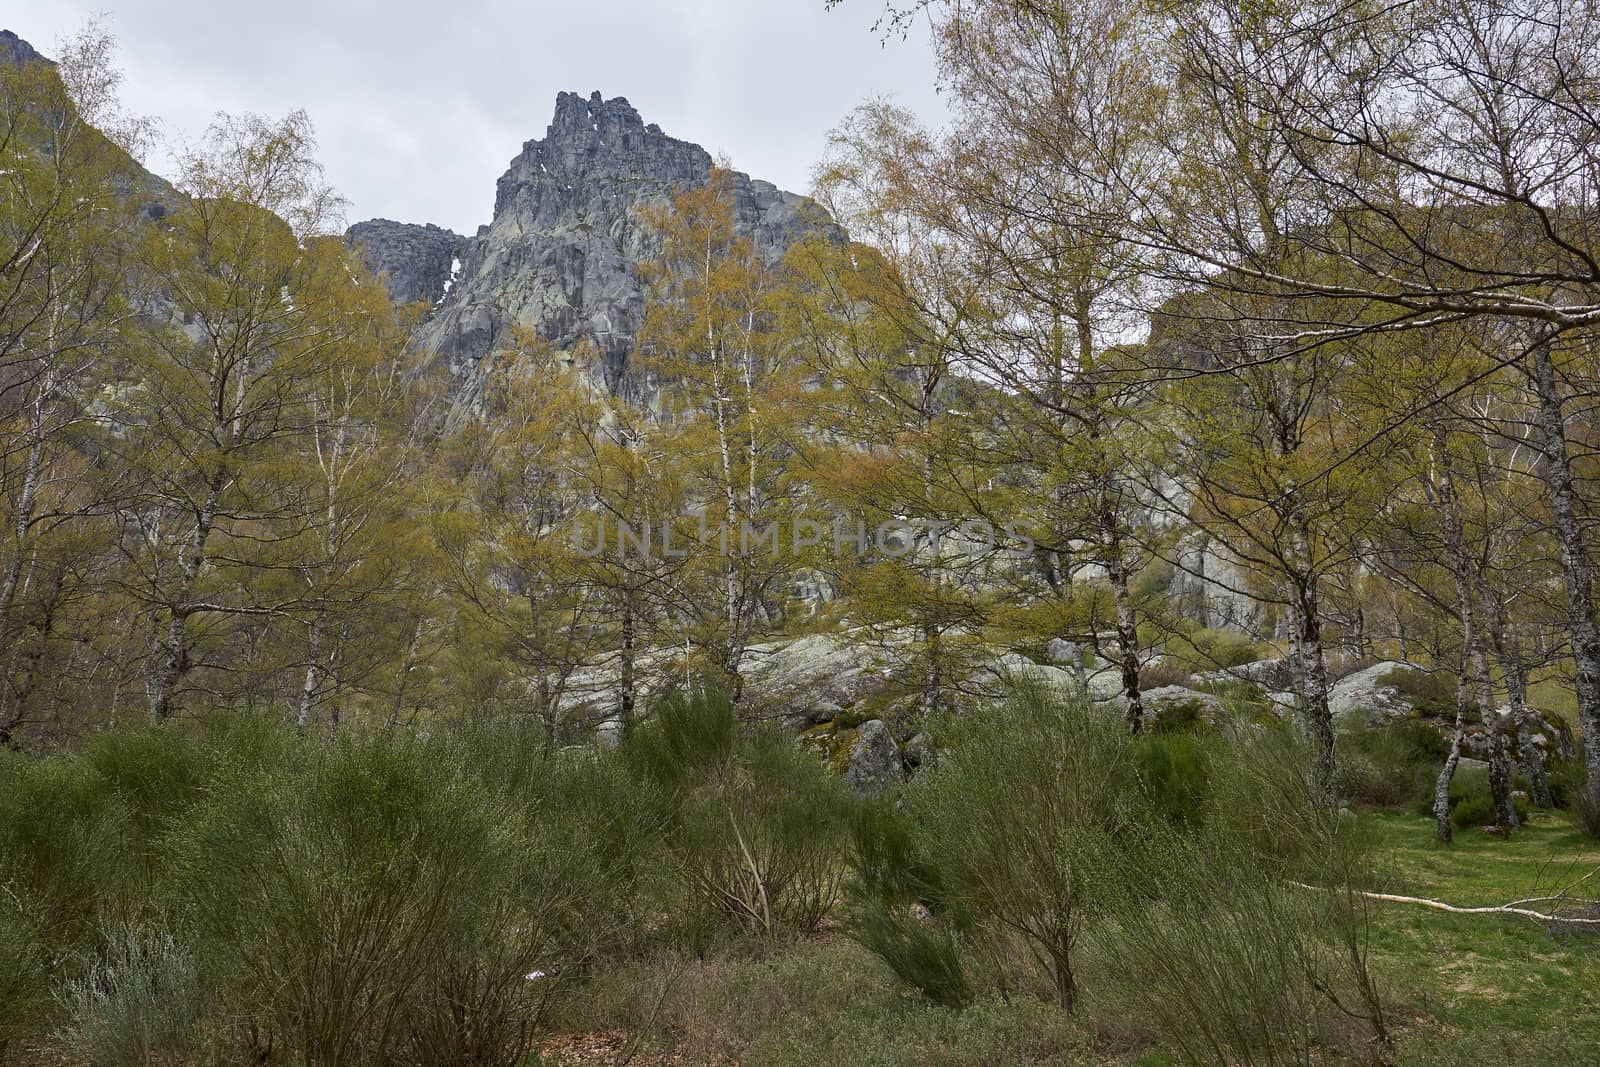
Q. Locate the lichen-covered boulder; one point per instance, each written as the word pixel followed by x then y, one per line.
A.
pixel 1363 698
pixel 1173 700
pixel 1274 675
pixel 995 676
pixel 810 679
pixel 918 753
pixel 875 765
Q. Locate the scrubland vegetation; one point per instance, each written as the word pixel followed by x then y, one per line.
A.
pixel 1051 890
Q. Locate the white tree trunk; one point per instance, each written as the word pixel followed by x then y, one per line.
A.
pixel 1577 566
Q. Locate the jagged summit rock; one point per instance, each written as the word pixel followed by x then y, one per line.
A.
pixel 570 228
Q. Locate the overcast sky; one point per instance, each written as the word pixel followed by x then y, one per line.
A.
pixel 420 106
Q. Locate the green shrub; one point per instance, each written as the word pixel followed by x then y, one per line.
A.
pixel 331 896
pixel 582 882
pixel 1567 790
pixel 1566 778
pixel 482 991
pixel 1223 965
pixel 922 953
pixel 899 907
pixel 1266 797
pixel 1396 763
pixel 138 1004
pixel 1187 716
pixel 1174 774
pixel 1583 814
pixel 379 898
pixel 1432 693
pixel 157 771
pixel 64 848
pixel 240 742
pixel 691 731
pixel 70 867
pixel 579 803
pixel 587 805
pixel 1028 806
pixel 1237 942
pixel 1157 675
pixel 1208 650
pixel 25 973
pixel 1241 699
pixel 1471 812
pixel 756 827
pixel 888 861
pixel 1471 802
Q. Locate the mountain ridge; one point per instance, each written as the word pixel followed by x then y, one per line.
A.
pixel 560 254
pixel 16 51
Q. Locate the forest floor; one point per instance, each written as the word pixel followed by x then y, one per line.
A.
pixel 1461 989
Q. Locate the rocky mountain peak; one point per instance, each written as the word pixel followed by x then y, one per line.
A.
pixel 570 228
pixel 578 116
pixel 592 142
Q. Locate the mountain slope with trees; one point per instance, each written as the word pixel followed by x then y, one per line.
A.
pixel 1118 569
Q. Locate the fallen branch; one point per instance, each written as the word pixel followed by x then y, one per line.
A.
pixel 1513 908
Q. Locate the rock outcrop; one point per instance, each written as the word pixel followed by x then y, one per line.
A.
pixel 1206 586
pixel 571 225
pixel 812 679
pixel 416 262
pixel 996 675
pixel 1273 675
pixel 874 766
pixel 15 51
pixel 1165 698
pixel 1364 698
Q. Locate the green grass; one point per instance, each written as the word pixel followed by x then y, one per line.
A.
pixel 1485 989
pixel 1479 868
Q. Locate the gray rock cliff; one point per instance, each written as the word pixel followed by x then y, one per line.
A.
pixel 15 51
pixel 416 262
pixel 570 228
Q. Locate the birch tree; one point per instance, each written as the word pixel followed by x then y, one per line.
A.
pixel 723 374
pixel 249 303
pixel 68 201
